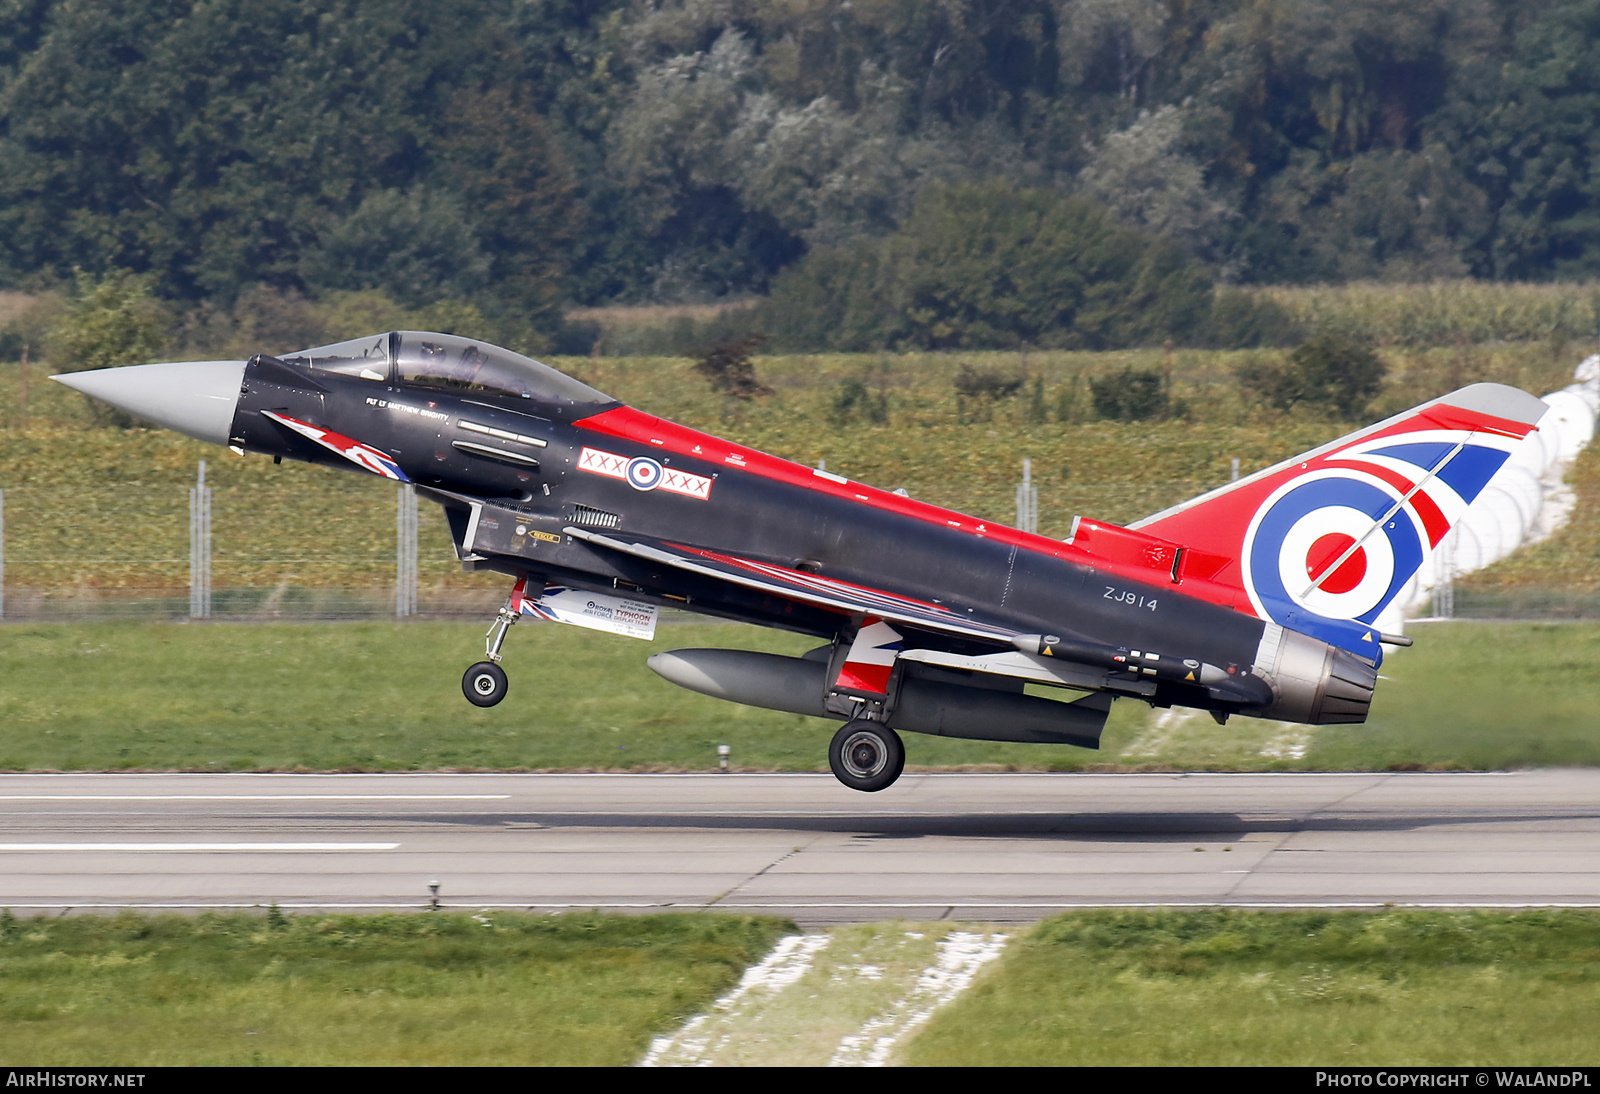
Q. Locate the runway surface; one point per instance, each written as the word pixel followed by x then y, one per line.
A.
pixel 1003 848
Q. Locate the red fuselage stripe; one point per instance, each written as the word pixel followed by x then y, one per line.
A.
pixel 647 429
pixel 658 434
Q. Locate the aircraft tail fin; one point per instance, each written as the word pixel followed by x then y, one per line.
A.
pixel 1321 543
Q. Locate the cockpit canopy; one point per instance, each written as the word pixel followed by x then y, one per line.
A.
pixel 445 362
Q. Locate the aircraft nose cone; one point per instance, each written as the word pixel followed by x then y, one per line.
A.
pixel 193 397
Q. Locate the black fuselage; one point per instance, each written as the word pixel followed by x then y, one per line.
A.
pixel 471 444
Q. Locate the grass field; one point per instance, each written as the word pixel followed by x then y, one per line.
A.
pixel 386 697
pixel 413 990
pixel 1232 988
pixel 1128 987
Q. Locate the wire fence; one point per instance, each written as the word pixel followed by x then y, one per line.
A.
pixel 134 553
pixel 127 553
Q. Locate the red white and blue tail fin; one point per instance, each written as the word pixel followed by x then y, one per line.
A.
pixel 1323 542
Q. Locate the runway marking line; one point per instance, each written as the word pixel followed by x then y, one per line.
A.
pixel 667 905
pixel 198 846
pixel 251 797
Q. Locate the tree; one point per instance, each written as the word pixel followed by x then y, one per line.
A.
pixel 512 176
pixel 1143 175
pixel 214 146
pixel 1522 129
pixel 988 265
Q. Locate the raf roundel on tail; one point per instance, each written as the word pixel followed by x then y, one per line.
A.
pixel 1330 538
pixel 1257 599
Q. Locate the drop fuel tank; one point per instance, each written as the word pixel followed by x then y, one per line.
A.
pixel 936 707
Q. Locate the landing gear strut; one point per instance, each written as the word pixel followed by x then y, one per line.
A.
pixel 484 684
pixel 866 755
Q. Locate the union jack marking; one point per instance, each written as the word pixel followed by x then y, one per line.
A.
pixel 522 603
pixel 363 456
pixel 870 662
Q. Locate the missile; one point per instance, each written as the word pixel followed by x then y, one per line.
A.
pixel 1237 686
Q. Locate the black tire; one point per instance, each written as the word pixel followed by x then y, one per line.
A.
pixel 867 756
pixel 484 684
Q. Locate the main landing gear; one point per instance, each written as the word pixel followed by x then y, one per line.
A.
pixel 866 755
pixel 484 684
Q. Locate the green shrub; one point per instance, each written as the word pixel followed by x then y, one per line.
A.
pixel 973 382
pixel 1331 372
pixel 855 397
pixel 727 367
pixel 109 321
pixel 1132 395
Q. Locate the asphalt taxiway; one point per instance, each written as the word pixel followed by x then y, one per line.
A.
pixel 1002 848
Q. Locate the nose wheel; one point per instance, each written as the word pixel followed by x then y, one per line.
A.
pixel 484 684
pixel 866 755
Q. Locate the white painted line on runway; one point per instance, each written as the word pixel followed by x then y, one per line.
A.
pixel 290 906
pixel 198 846
pixel 674 906
pixel 1064 906
pixel 251 797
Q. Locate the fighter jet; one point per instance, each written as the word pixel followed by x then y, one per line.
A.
pixel 1259 598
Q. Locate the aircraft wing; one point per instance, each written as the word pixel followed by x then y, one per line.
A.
pixel 807 588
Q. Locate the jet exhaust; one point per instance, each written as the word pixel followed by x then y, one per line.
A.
pixel 1311 681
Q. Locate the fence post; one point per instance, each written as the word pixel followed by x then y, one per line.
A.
pixel 1444 580
pixel 200 547
pixel 1027 500
pixel 405 551
pixel 2 554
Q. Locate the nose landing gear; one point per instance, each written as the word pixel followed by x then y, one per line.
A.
pixel 484 684
pixel 866 755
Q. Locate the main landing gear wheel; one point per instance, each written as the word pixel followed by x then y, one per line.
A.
pixel 866 755
pixel 484 684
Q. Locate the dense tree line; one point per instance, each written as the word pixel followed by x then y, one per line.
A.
pixel 527 153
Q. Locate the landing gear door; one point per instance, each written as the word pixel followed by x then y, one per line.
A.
pixel 464 529
pixel 861 673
